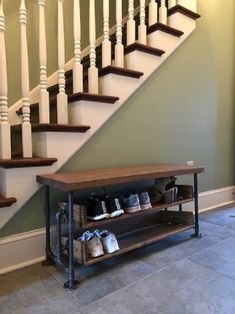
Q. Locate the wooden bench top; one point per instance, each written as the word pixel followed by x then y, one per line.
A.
pixel 72 181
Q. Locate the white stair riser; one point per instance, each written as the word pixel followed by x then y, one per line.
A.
pixel 90 113
pixel 189 4
pixel 60 144
pixel 182 22
pixel 143 62
pixel 117 85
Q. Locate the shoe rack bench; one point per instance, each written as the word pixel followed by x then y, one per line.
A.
pixel 132 230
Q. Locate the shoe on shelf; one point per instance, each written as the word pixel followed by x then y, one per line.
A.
pixel 113 206
pixel 108 239
pixel 170 196
pixel 93 244
pixel 96 209
pixel 144 200
pixel 131 203
pixel 78 209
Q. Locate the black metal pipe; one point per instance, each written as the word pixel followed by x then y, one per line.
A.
pixel 196 205
pixel 58 239
pixel 49 255
pixel 71 283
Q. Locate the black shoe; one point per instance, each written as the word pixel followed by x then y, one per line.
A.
pixel 113 206
pixel 96 209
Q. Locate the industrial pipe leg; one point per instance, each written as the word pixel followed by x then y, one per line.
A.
pixel 71 283
pixel 197 233
pixel 49 255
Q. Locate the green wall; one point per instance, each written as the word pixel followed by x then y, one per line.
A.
pixel 185 111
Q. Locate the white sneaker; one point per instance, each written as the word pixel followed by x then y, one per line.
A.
pixel 109 241
pixel 93 244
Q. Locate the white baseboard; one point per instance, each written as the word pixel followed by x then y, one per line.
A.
pixel 25 249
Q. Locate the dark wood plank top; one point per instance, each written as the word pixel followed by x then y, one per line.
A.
pixel 6 201
pixel 164 28
pixel 143 48
pixel 120 71
pixel 180 9
pixel 72 181
pixel 49 127
pixel 20 162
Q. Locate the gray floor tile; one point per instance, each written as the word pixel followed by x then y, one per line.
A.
pixel 106 277
pixel 33 290
pixel 220 258
pixel 159 257
pixel 183 288
pixel 221 217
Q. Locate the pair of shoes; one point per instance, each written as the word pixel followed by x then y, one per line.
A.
pixel 133 203
pixel 99 242
pixel 77 210
pixel 170 196
pixel 160 187
pixel 98 209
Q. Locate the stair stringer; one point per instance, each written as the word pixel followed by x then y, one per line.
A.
pixel 64 145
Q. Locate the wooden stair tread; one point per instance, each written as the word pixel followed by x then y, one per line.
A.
pixel 93 97
pixel 20 162
pixel 7 201
pixel 52 127
pixel 120 71
pixel 76 97
pixel 164 28
pixel 181 9
pixel 143 48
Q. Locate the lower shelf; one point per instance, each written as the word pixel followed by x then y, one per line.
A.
pixel 141 237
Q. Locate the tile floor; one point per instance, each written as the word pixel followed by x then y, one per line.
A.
pixel 178 275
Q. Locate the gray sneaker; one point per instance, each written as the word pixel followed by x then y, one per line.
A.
pixel 109 241
pixel 131 203
pixel 144 201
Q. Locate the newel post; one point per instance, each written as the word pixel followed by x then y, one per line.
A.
pixel 26 125
pixel 62 98
pixel 77 67
pixel 5 134
pixel 44 110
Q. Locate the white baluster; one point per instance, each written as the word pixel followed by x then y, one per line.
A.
pixel 119 49
pixel 130 24
pixel 92 71
pixel 153 12
pixel 62 98
pixel 77 67
pixel 5 134
pixel 171 3
pixel 44 110
pixel 163 12
pixel 106 44
pixel 142 29
pixel 26 125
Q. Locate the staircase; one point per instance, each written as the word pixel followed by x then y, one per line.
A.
pixel 67 114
